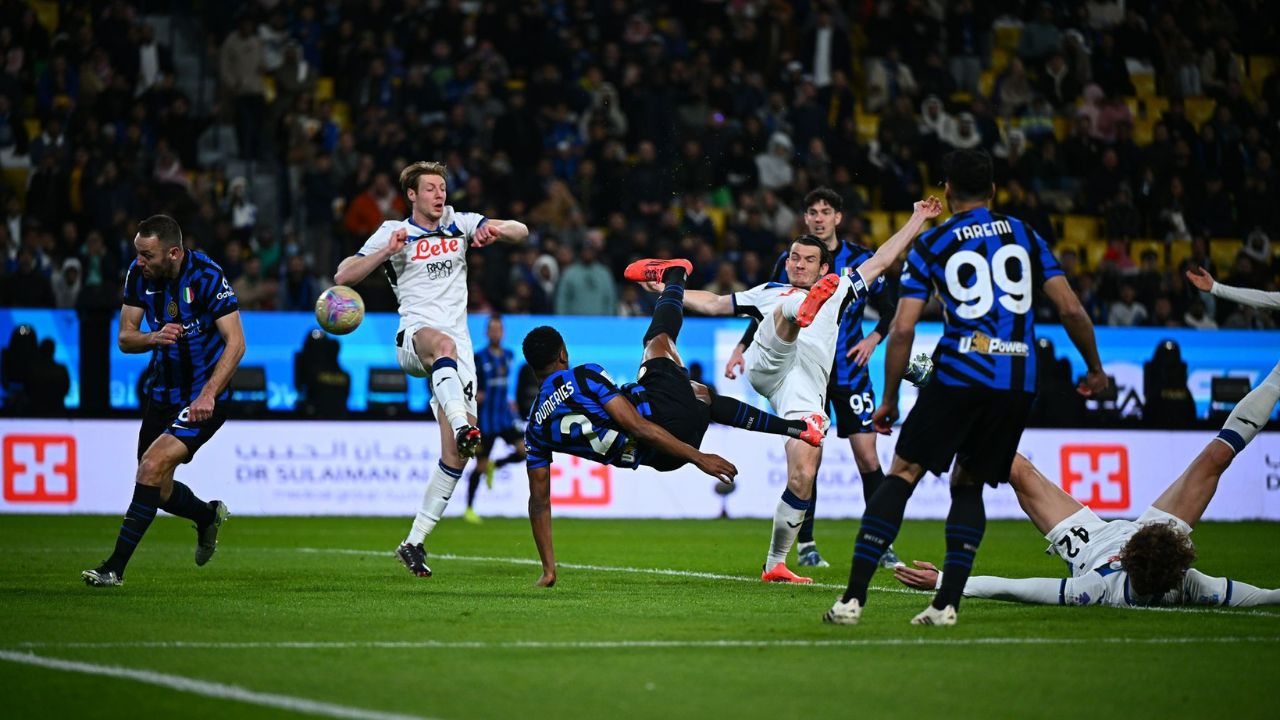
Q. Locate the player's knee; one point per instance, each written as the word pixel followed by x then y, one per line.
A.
pixel 151 470
pixel 701 392
pixel 866 458
pixel 1219 456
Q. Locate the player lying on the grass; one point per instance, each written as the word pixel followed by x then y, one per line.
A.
pixel 790 362
pixel 657 421
pixel 1128 563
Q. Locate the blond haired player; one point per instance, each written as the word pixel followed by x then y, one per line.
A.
pixel 425 260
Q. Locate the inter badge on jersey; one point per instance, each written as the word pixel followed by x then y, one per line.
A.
pixel 172 309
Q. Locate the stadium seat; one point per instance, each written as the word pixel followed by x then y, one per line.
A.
pixel 1144 84
pixel 324 89
pixel 1199 110
pixel 1143 130
pixel 999 60
pixel 1153 107
pixel 1137 247
pixel 1179 251
pixel 33 128
pixel 15 178
pixel 1079 228
pixel 269 88
pixel 1061 127
pixel 1223 252
pixel 719 219
pixel 1260 67
pixel 986 83
pixel 342 114
pixel 868 126
pixel 1007 37
pixel 46 14
pixel 878 226
pixel 1133 104
pixel 1091 253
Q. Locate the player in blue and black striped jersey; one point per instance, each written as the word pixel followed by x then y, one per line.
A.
pixel 196 341
pixel 657 421
pixel 985 268
pixel 849 390
pixel 495 417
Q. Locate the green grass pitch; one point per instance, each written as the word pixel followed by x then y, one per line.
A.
pixel 279 614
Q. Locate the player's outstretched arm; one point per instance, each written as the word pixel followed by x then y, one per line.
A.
pixel 925 210
pixel 540 519
pixel 624 413
pixel 1080 329
pixel 357 267
pixel 1036 591
pixel 1201 589
pixel 1245 296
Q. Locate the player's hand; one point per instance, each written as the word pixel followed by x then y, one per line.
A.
pixel 861 352
pixel 548 578
pixel 1201 279
pixel 884 417
pixel 485 234
pixel 201 409
pixel 396 243
pixel 737 364
pixel 717 467
pixel 653 287
pixel 1093 383
pixel 929 208
pixel 167 335
pixel 924 576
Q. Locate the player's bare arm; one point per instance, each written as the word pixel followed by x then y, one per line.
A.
pixel 540 520
pixel 625 414
pixel 1080 329
pixel 511 231
pixel 357 267
pixel 923 211
pixel 232 332
pixel 699 301
pixel 896 355
pixel 132 340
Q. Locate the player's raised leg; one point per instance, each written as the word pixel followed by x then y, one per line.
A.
pixel 1190 494
pixel 437 351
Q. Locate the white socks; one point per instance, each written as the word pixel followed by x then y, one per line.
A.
pixel 787 519
pixel 790 307
pixel 434 501
pixel 446 388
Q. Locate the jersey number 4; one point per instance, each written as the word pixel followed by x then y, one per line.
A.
pixel 977 298
pixel 1081 534
pixel 600 444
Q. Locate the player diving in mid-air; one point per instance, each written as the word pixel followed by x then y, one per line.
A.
pixel 657 421
pixel 1127 563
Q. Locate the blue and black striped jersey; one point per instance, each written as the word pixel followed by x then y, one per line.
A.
pixel 493 377
pixel 569 417
pixel 985 267
pixel 196 299
pixel 850 255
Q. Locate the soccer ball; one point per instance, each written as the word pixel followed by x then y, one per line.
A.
pixel 339 310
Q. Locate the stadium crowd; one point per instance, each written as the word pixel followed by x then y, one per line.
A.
pixel 1138 137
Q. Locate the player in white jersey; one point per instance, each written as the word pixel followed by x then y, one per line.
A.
pixel 1245 296
pixel 425 259
pixel 791 359
pixel 1126 563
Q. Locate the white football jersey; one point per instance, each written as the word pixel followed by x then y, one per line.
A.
pixel 816 344
pixel 429 275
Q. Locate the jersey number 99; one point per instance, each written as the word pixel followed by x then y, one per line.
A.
pixel 976 299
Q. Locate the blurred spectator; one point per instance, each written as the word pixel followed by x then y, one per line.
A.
pixel 66 284
pixel 379 203
pixel 1127 311
pixel 28 286
pixel 587 287
pixel 241 66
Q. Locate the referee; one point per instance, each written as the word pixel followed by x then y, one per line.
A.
pixel 196 341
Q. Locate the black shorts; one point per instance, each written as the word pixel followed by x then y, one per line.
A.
pixel 978 427
pixel 673 406
pixel 510 435
pixel 161 419
pixel 853 406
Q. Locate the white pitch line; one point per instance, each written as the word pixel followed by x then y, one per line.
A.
pixel 733 578
pixel 206 688
pixel 633 644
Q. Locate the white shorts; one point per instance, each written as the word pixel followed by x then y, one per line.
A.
pixel 794 387
pixel 412 364
pixel 1085 541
